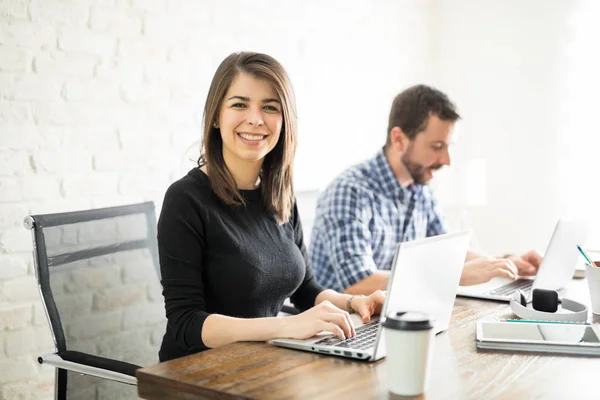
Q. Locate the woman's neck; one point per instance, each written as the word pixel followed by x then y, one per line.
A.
pixel 245 173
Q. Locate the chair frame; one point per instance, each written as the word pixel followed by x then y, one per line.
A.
pixel 63 359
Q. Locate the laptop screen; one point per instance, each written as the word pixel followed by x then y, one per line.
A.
pixel 425 276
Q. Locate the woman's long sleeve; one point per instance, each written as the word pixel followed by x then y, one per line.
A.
pixel 181 245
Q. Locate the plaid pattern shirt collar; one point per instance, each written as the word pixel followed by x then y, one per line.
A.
pixel 362 216
pixel 386 179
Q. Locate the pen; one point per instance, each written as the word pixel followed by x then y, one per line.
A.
pixel 533 321
pixel 588 258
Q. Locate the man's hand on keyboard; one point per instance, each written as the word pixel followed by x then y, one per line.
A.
pixel 527 264
pixel 482 269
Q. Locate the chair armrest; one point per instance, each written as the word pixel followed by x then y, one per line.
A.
pixel 92 365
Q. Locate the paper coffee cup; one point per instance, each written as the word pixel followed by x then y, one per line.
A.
pixel 409 341
pixel 592 273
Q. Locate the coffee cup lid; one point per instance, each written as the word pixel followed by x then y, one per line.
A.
pixel 408 321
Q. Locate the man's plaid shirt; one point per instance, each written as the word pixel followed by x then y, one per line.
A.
pixel 362 216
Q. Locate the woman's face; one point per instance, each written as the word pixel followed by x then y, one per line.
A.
pixel 250 119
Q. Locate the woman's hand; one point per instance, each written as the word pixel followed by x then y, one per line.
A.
pixel 368 305
pixel 480 270
pixel 322 317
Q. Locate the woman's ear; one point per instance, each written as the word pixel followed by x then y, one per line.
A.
pixel 398 139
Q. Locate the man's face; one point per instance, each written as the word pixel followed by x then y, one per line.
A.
pixel 428 151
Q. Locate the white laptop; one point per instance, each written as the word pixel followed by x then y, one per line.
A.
pixel 554 273
pixel 424 277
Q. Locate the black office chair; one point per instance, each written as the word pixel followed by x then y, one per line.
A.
pixel 99 281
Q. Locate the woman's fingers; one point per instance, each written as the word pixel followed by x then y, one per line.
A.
pixel 365 313
pixel 340 320
pixel 333 328
pixel 370 305
pixel 330 309
pixel 350 323
pixel 379 297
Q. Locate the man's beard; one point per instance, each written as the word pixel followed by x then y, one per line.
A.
pixel 417 171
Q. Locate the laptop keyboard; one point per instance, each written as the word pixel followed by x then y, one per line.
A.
pixel 510 288
pixel 364 339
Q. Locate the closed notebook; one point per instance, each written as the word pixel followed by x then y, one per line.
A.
pixel 542 337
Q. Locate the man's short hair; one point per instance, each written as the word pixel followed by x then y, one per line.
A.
pixel 412 108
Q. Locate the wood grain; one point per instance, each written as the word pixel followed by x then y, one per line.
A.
pixel 458 371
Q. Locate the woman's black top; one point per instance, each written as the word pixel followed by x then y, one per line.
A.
pixel 230 260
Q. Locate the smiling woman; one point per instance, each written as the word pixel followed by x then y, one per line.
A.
pixel 250 126
pixel 230 239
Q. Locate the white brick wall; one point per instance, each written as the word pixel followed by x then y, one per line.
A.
pixel 15 59
pixel 100 104
pixel 16 8
pixel 13 316
pixel 12 266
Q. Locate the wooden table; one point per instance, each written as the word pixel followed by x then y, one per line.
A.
pixel 459 370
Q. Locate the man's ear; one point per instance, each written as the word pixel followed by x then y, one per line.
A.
pixel 398 139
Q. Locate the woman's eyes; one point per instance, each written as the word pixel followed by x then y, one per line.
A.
pixel 266 107
pixel 271 108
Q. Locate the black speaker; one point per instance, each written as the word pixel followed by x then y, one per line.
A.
pixel 542 300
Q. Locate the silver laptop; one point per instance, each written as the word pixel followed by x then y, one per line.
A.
pixel 424 277
pixel 555 272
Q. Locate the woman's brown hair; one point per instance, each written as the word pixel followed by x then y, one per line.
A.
pixel 277 169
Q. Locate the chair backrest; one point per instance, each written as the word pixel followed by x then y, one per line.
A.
pixel 99 279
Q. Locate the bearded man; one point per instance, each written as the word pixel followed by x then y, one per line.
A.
pixel 371 207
